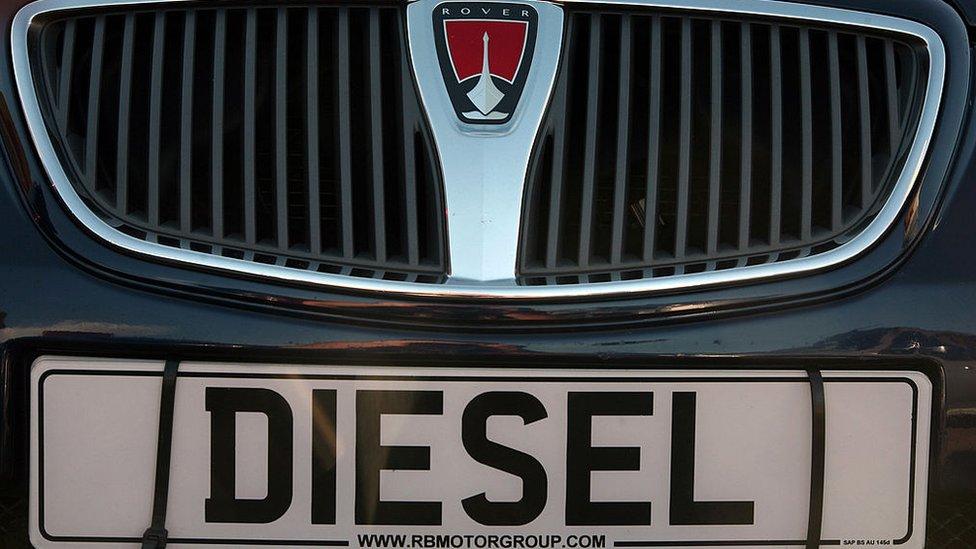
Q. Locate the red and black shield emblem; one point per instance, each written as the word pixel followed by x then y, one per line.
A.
pixel 485 50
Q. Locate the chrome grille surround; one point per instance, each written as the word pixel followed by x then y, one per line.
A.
pixel 483 223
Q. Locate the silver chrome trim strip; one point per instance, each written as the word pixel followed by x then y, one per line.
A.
pixel 458 288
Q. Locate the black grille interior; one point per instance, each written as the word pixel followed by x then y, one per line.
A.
pixel 677 143
pixel 287 135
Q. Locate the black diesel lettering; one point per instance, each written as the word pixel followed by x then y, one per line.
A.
pixel 684 509
pixel 582 458
pixel 503 458
pixel 324 456
pixel 224 404
pixel 372 457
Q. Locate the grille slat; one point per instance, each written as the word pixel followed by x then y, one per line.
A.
pixel 125 102
pixel 64 75
pixel 312 125
pixel 836 135
pixel 345 132
pixel 686 144
pixel 250 123
pixel 653 152
pixel 217 128
pixel 715 161
pixel 376 134
pixel 186 121
pixel 891 87
pixel 806 129
pixel 586 211
pixel 684 161
pixel 623 133
pixel 745 161
pixel 280 134
pixel 281 128
pixel 864 105
pixel 409 113
pixel 155 116
pixel 776 137
pixel 557 169
pixel 94 85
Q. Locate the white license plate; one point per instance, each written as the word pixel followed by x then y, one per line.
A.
pixel 433 458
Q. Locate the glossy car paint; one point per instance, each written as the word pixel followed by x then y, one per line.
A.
pixel 910 303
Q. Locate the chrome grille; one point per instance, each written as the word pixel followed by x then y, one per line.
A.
pixel 680 143
pixel 281 135
pixel 496 248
